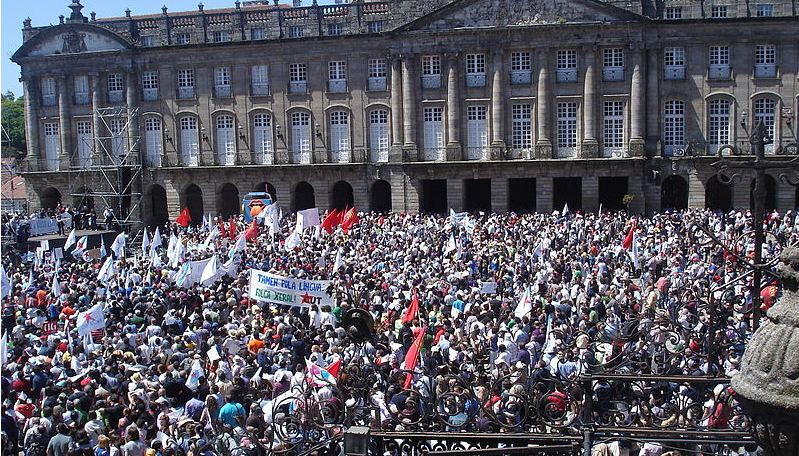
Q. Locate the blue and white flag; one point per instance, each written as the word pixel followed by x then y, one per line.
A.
pixel 6 282
pixel 71 239
pixel 80 246
pixel 183 274
pixel 103 251
pixel 197 372
pixel 107 271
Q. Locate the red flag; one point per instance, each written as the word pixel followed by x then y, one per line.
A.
pixel 222 230
pixel 332 220
pixel 232 230
pixel 628 240
pixel 412 310
pixel 412 357
pixel 350 219
pixel 252 231
pixel 334 368
pixel 184 218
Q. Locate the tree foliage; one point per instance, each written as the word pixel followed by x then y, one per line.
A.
pixel 13 120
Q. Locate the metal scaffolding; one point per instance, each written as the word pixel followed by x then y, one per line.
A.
pixel 107 165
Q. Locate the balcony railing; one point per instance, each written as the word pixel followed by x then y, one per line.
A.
pixel 566 75
pixel 48 99
pixel 613 74
pixel 81 98
pixel 260 89
pixel 222 91
pixel 433 154
pixel 521 77
pixel 115 96
pixel 721 72
pixel 337 85
pixel 185 92
pixel 766 70
pixel 298 87
pixel 674 72
pixel 565 152
pixel 476 153
pixel 150 94
pixel 431 81
pixel 476 80
pixel 377 84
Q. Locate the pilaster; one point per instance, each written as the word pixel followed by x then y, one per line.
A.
pixel 454 151
pixel 497 108
pixel 696 191
pixel 637 103
pixel 590 189
pixel 395 154
pixel 64 122
pixel 590 146
pixel 31 121
pixel 455 194
pixel 543 144
pixel 499 194
pixel 543 194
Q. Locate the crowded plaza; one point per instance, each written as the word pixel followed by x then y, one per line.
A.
pixel 218 336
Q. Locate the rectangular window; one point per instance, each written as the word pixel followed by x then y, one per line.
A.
pixel 221 36
pixel 301 137
pixel 260 80
pixel 52 146
pixel 84 137
pixel 718 131
pixel 613 132
pixel 377 74
pixel 295 31
pixel 765 61
pixel 719 62
pixel 334 29
pixel 520 68
pixel 431 71
pixel 222 82
pixel 567 65
pixel 764 10
pixel 257 33
pixel 433 134
pixel 115 87
pixel 673 12
pixel 149 84
pixel 48 91
pixel 117 129
pixel 298 78
pixel 189 141
pixel 521 129
pixel 186 83
pixel 477 133
pixel 183 38
pixel 674 63
pixel 262 130
pixel 718 11
pixel 765 112
pixel 81 90
pixel 613 64
pixel 153 141
pixel 475 70
pixel 337 76
pixel 567 129
pixel 147 40
pixel 225 141
pixel 674 128
pixel 340 137
pixel 378 135
pixel 375 26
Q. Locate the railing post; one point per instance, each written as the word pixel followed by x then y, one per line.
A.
pixel 587 414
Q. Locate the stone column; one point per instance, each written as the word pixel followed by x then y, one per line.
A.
pixel 543 194
pixel 497 109
pixel 652 100
pixel 94 85
pixel 65 122
pixel 409 106
pixel 396 110
pixel 454 151
pixel 32 124
pixel 696 190
pixel 637 104
pixel 590 146
pixel 543 144
pixel 133 118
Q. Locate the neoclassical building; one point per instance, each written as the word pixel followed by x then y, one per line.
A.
pixel 408 105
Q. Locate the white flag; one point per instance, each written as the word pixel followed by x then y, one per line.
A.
pixel 339 261
pixel 118 246
pixel 197 372
pixel 525 306
pixel 30 280
pixel 170 248
pixel 155 259
pixel 239 246
pixel 565 210
pixel 451 245
pixel 55 288
pixel 157 241
pixel 90 320
pixel 103 251
pixel 4 349
pixel 600 209
pixel 71 239
pixel 6 283
pixel 307 218
pixel 145 241
pixel 211 236
pixel 107 271
pixel 87 342
pixel 80 246
pixel 209 272
pixel 183 274
pixel 634 252
pixel 293 240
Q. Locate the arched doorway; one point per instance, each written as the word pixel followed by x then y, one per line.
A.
pixel 433 197
pixel 228 201
pixel 477 195
pixel 674 193
pixel 304 197
pixel 380 197
pixel 50 198
pixel 83 199
pixel 341 195
pixel 193 200
pixel 718 196
pixel 268 188
pixel 158 206
pixel 567 190
pixel 771 194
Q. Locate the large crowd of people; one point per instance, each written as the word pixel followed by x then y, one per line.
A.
pixel 479 298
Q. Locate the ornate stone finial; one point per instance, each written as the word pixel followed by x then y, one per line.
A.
pixel 767 384
pixel 94 16
pixel 27 22
pixel 276 2
pixel 200 6
pixel 315 3
pixel 127 12
pixel 76 15
pixel 60 18
pixel 163 10
pixel 238 4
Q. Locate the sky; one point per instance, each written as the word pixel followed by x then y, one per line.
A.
pixel 45 12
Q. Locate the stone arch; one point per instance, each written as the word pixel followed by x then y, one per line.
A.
pixel 269 188
pixel 304 197
pixel 771 194
pixel 193 200
pixel 49 198
pixel 159 211
pixel 674 193
pixel 717 195
pixel 380 196
pixel 341 195
pixel 228 201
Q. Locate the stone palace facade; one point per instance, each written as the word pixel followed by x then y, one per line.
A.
pixel 409 105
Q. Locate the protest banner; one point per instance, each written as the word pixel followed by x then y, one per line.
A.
pixel 277 289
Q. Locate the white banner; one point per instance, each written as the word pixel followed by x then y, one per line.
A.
pixel 43 226
pixel 292 292
pixel 197 268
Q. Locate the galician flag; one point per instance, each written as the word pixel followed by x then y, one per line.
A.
pixel 71 239
pixel 318 376
pixel 525 306
pixel 197 372
pixel 90 320
pixel 209 272
pixel 107 271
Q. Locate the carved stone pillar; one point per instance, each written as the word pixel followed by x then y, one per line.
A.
pixel 543 144
pixel 652 100
pixel 590 146
pixel 94 85
pixel 454 151
pixel 396 110
pixel 133 119
pixel 64 121
pixel 497 108
pixel 409 106
pixel 32 122
pixel 637 104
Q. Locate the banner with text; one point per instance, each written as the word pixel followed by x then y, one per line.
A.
pixel 287 291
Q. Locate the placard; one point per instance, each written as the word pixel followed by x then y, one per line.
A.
pixel 489 287
pixel 277 289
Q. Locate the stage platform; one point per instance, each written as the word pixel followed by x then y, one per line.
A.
pixel 95 238
pixel 63 237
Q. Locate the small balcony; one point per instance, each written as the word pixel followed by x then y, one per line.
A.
pixel 766 70
pixel 222 91
pixel 185 93
pixel 337 86
pixel 298 87
pixel 521 77
pixel 613 74
pixel 718 72
pixel 475 80
pixel 150 94
pixel 48 99
pixel 115 96
pixel 377 84
pixel 674 72
pixel 260 89
pixel 81 98
pixel 566 75
pixel 431 81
